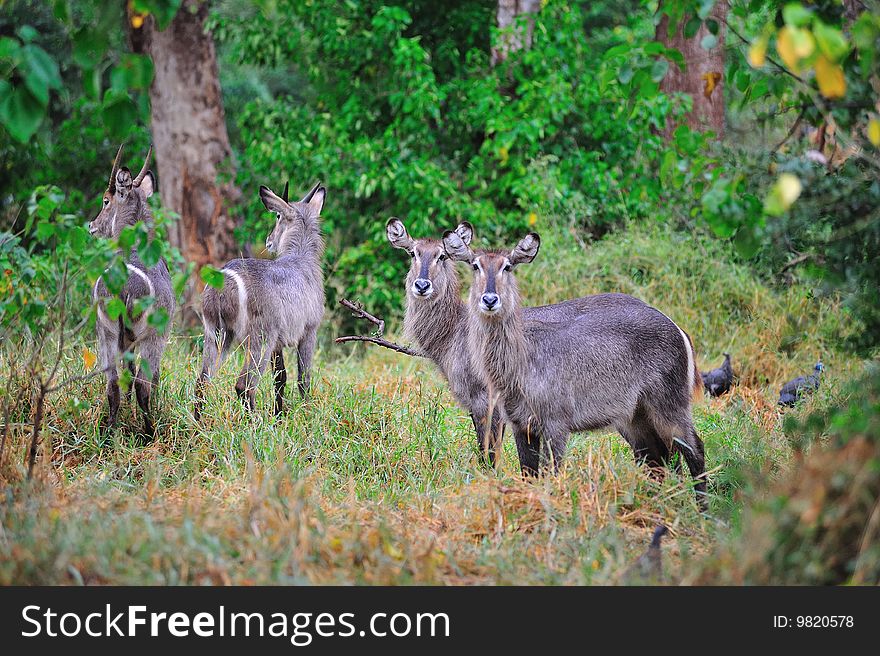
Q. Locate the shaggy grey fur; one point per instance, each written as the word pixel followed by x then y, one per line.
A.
pixel 436 319
pixel 622 363
pixel 124 204
pixel 270 304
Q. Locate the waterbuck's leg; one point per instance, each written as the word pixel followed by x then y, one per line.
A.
pixel 151 354
pixel 132 372
pixel 305 351
pixel 255 361
pixel 554 444
pixel 489 441
pixel 695 456
pixel 647 445
pixel 108 350
pixel 280 375
pixel 528 447
pixel 212 356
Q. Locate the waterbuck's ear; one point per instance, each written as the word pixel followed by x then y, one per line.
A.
pixel 456 248
pixel 526 250
pixel 148 185
pixel 315 201
pixel 397 235
pixel 272 202
pixel 466 231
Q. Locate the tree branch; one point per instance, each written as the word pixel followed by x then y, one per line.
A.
pixel 358 311
pixel 376 338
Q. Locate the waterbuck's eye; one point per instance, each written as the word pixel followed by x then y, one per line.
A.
pixel 106 201
pixel 507 267
pixel 476 267
pixel 278 216
pixel 412 254
pixel 441 258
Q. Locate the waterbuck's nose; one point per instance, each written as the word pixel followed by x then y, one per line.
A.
pixel 92 228
pixel 489 301
pixel 422 286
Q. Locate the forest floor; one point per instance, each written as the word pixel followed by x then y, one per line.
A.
pixel 376 479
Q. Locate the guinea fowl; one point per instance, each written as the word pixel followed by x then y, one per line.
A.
pixel 796 389
pixel 648 569
pixel 718 381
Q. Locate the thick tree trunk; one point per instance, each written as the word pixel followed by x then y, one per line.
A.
pixel 521 37
pixel 703 79
pixel 190 139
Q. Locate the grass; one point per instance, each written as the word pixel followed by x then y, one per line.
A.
pixel 375 478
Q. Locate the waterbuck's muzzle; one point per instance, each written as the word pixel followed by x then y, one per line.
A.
pixel 490 303
pixel 422 287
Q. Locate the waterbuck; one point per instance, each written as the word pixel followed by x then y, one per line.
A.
pixel 436 319
pixel 270 304
pixel 622 363
pixel 125 204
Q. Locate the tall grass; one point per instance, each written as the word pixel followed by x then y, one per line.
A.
pixel 375 479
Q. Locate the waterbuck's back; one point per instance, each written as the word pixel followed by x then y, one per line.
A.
pixel 599 366
pixel 279 297
pixel 142 282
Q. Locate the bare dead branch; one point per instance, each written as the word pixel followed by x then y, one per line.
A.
pixel 793 263
pixel 358 310
pixel 380 342
pixel 376 338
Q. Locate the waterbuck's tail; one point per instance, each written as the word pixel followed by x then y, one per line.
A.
pixel 697 381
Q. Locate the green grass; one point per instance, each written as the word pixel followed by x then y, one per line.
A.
pixel 375 479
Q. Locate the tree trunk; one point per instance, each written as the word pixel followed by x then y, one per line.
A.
pixel 190 140
pixel 521 37
pixel 703 79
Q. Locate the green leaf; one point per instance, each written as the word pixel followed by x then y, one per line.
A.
pixel 27 33
pixel 9 48
pixel 119 113
pixel 692 27
pixel 89 46
pixel 114 308
pixel 151 253
pixel 133 72
pixel 796 14
pixel 704 7
pixel 212 277
pixel 38 64
pixel 20 113
pixel 45 230
pixel 659 69
pixel 625 74
pixel 712 26
pixel 709 41
pixel 831 41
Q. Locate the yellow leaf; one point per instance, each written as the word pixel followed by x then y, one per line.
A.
pixel 832 83
pixel 711 79
pixel 785 48
pixel 503 154
pixel 874 131
pixel 789 189
pixel 758 52
pixel 89 358
pixel 137 21
pixel 533 219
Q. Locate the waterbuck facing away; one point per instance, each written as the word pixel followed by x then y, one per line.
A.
pixel 436 319
pixel 622 363
pixel 125 204
pixel 270 304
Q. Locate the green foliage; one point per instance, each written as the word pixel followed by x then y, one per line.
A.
pixel 398 121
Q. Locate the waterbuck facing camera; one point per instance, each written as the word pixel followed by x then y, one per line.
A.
pixel 619 362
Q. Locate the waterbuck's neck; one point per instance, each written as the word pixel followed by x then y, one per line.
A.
pixel 434 325
pixel 304 242
pixel 498 347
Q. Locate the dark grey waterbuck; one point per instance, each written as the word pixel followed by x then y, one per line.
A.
pixel 622 364
pixel 436 319
pixel 268 305
pixel 125 204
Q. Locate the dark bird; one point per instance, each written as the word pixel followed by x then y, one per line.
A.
pixel 718 381
pixel 794 390
pixel 648 569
